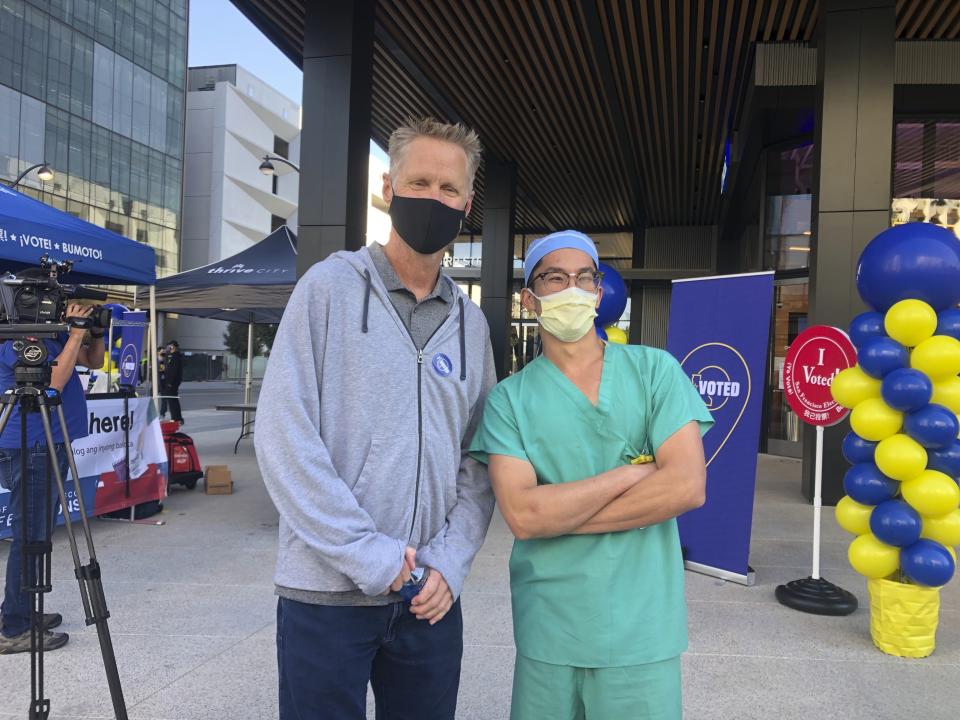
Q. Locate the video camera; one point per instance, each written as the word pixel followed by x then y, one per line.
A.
pixel 37 306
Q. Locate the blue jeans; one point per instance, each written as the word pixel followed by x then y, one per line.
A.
pixel 327 654
pixel 16 602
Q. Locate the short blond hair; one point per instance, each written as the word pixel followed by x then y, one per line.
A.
pixel 456 133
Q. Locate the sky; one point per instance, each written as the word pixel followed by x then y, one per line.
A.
pixel 219 34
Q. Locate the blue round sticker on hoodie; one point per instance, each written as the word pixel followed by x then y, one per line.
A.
pixel 442 364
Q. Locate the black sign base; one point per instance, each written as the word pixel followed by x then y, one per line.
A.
pixel 818 597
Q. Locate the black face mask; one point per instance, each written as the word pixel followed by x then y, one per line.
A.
pixel 425 224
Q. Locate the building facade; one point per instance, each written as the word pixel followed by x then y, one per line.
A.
pixel 96 89
pixel 233 120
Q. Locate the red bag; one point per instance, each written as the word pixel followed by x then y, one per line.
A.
pixel 183 463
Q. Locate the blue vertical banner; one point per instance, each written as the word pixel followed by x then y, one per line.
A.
pixel 719 332
pixel 131 346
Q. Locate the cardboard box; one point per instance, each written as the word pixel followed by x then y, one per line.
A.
pixel 217 480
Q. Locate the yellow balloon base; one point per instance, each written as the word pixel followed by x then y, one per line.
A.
pixel 903 617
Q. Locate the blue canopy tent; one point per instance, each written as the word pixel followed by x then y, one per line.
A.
pixel 252 286
pixel 30 229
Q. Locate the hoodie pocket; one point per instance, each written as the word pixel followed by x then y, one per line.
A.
pixel 386 485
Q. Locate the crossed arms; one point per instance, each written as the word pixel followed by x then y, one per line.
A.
pixel 624 498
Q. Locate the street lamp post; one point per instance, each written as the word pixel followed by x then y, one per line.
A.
pixel 267 168
pixel 45 173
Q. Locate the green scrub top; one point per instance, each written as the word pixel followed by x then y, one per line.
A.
pixel 603 600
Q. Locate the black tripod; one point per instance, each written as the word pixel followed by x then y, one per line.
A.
pixel 33 394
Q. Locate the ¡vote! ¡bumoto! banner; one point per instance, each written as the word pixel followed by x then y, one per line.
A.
pixel 719 329
pixel 101 462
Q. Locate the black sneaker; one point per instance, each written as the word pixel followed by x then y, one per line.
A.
pixel 21 643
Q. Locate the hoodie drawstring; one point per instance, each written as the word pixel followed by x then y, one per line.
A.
pixel 366 300
pixel 463 344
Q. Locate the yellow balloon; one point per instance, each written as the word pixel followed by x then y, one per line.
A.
pixel 944 529
pixel 938 357
pixel 852 386
pixel 616 335
pixel 946 392
pixel 873 558
pixel 931 493
pixel 910 322
pixel 953 554
pixel 900 457
pixel 852 516
pixel 873 419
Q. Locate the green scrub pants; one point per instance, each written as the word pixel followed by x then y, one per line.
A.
pixel 561 692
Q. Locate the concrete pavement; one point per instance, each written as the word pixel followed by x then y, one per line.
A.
pixel 193 618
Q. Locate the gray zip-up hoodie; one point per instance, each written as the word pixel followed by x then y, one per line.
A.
pixel 362 439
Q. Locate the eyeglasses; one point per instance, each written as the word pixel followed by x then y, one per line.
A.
pixel 556 280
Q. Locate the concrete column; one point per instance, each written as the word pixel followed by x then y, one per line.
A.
pixel 335 142
pixel 853 165
pixel 496 268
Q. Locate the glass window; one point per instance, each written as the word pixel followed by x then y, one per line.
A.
pixel 56 145
pixel 140 130
pixel 155 170
pixel 9 132
pixel 789 320
pixel 59 50
pixel 123 36
pixel 139 159
pixel 789 207
pixel 85 16
pixel 35 30
pixel 60 9
pixel 158 113
pixel 161 32
pixel 100 167
pixel 142 20
pixel 106 10
pixel 11 40
pixel 172 179
pixel 33 119
pixel 174 122
pixel 176 50
pixel 81 77
pixel 102 86
pixel 81 142
pixel 122 96
pixel 926 174
pixel 120 174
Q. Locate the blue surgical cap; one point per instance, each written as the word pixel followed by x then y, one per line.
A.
pixel 557 241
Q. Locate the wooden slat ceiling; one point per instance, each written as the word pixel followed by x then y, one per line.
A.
pixel 616 112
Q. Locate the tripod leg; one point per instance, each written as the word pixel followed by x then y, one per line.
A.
pixel 91 587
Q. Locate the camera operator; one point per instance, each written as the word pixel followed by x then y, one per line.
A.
pixel 68 349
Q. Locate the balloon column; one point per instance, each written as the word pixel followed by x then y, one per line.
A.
pixel 902 494
pixel 612 305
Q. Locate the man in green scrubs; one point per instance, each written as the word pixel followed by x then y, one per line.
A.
pixel 596 573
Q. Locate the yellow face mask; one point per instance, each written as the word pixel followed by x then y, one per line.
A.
pixel 567 315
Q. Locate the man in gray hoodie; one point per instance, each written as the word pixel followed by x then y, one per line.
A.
pixel 376 382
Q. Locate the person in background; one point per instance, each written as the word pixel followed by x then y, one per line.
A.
pixel 78 346
pixel 172 377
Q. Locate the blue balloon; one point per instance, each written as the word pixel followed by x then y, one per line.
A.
pixel 601 333
pixel 906 390
pixel 882 355
pixel 948 323
pixel 933 426
pixel 914 260
pixel 927 563
pixel 866 326
pixel 945 460
pixel 614 300
pixel 895 523
pixel 867 485
pixel 857 450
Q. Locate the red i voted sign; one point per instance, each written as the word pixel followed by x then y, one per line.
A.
pixel 813 360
